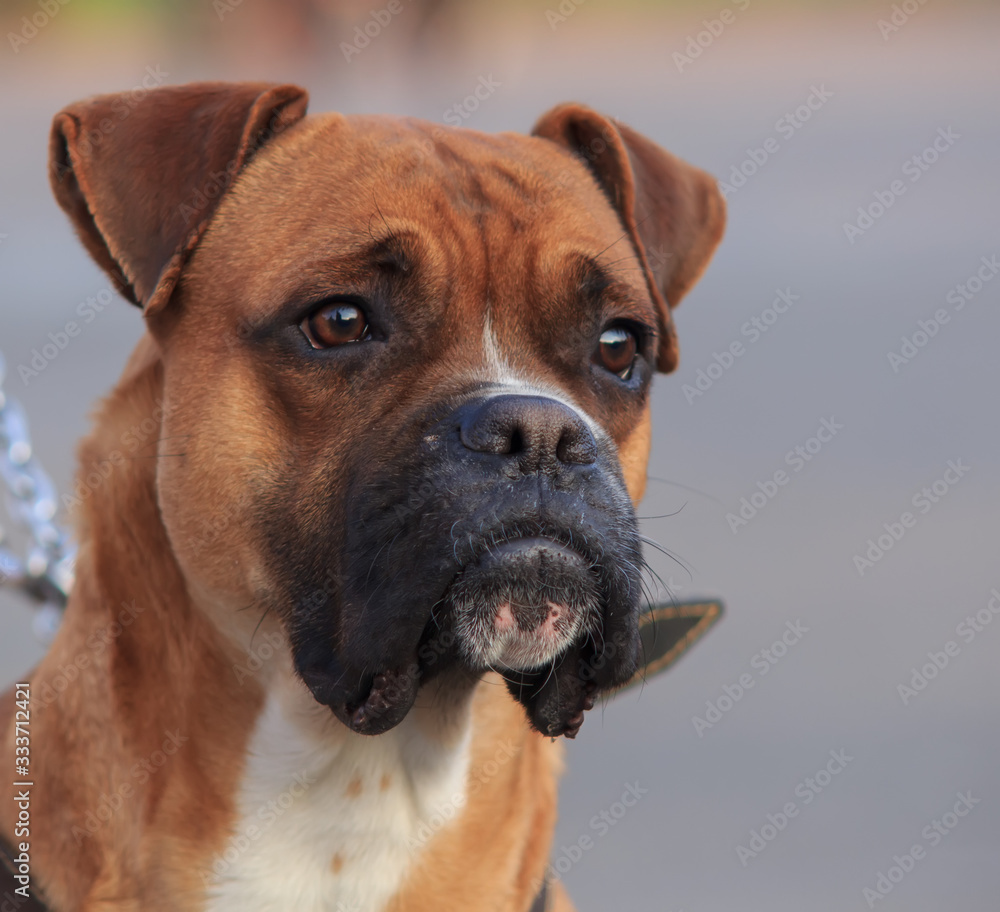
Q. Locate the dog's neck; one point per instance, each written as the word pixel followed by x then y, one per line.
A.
pixel 332 820
pixel 294 809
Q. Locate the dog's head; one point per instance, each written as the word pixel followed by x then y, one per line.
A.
pixel 406 369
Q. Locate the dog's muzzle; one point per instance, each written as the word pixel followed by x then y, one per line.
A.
pixel 519 554
pixel 522 603
pixel 524 600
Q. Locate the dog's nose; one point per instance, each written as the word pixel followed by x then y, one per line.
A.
pixel 540 433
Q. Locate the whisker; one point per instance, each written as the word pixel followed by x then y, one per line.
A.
pixel 261 621
pixel 665 515
pixel 159 456
pixel 612 244
pixel 677 560
pixel 677 484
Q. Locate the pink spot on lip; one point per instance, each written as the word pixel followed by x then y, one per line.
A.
pixel 548 626
pixel 504 619
pixel 504 622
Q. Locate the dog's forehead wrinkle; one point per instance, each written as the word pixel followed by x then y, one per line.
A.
pixel 480 173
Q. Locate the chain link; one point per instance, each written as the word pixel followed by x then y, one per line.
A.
pixel 45 575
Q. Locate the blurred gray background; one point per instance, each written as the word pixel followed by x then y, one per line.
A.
pixel 885 96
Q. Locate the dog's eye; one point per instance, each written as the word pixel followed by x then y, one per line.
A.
pixel 616 351
pixel 336 324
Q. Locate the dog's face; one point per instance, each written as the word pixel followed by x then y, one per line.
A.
pixel 408 368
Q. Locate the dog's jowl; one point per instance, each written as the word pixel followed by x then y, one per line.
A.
pixel 400 377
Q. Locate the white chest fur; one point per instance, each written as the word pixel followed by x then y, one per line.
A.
pixel 331 821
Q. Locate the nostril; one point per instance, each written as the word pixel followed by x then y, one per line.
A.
pixel 577 447
pixel 540 433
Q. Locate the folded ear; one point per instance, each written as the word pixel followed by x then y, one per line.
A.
pixel 674 212
pixel 668 631
pixel 140 179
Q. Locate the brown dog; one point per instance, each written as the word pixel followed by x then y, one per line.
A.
pixel 356 525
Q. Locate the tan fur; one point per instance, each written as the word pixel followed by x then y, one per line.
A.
pixel 168 671
pixel 634 454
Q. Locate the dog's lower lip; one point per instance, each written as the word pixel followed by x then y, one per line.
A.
pixel 388 699
pixel 513 550
pixel 525 546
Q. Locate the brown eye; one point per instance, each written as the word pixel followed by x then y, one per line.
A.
pixel 335 324
pixel 616 351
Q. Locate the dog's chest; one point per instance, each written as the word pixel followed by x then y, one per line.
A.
pixel 330 821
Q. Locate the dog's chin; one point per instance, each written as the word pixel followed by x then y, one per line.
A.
pixel 532 609
pixel 522 604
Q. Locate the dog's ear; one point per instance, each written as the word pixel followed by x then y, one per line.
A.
pixel 141 177
pixel 674 213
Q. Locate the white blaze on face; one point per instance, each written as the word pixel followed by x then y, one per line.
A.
pixel 497 372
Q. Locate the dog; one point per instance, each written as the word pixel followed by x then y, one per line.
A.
pixel 357 530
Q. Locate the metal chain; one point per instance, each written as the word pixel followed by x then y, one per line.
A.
pixel 45 575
